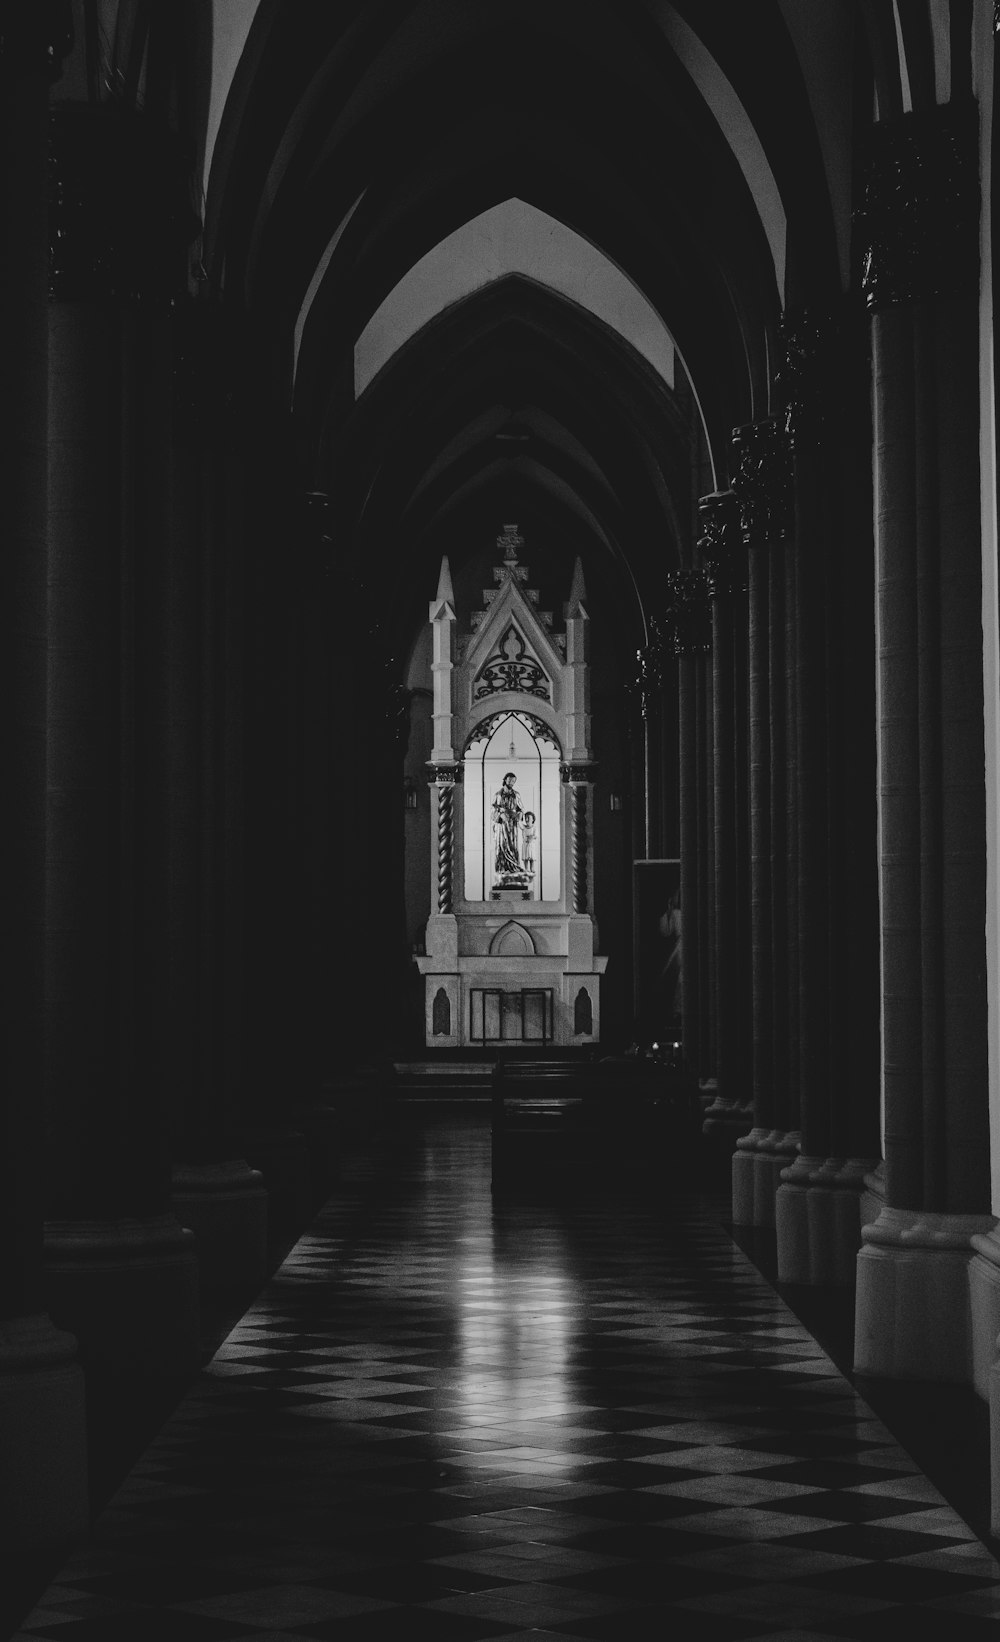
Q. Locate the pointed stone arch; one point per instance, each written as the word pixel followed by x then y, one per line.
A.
pixel 512 940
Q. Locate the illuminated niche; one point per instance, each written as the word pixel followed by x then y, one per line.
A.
pixel 512 826
pixel 510 941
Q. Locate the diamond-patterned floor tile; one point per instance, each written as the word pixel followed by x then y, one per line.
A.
pixel 460 1417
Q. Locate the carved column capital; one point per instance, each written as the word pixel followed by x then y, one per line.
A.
pixel 721 544
pixel 120 214
pixel 814 342
pixel 316 513
pixel 688 617
pixel 37 36
pixel 918 225
pixel 577 774
pixel 647 680
pixel 445 775
pixel 762 481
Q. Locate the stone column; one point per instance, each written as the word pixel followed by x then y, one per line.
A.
pixel 120 1271
pixel 578 782
pixel 43 1474
pixel 707 1026
pixel 818 1207
pixel 444 780
pixel 921 284
pixel 762 486
pixel 441 940
pixel 647 686
pixel 689 624
pixel 213 1189
pixel 721 547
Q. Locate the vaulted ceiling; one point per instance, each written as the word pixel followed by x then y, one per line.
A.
pixel 527 260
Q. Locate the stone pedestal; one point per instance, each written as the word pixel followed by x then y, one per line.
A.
pixel 758 1162
pixel 818 1219
pixel 128 1290
pixel 225 1206
pixel 43 1476
pixel 984 1301
pixel 321 1125
pixel 912 1311
pixel 281 1156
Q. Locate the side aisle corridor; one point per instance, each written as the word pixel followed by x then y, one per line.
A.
pixel 454 1417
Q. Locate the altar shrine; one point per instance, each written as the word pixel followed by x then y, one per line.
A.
pixel 510 947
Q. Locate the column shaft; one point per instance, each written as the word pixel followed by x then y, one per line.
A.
pixel 691 909
pixel 43 1472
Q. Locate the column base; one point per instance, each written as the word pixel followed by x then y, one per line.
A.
pixel 758 1161
pixel 43 1436
pixel 817 1216
pixel 281 1156
pixel 128 1290
pixel 322 1128
pixel 725 1121
pixel 984 1299
pixel 225 1205
pixel 912 1311
pixel 873 1196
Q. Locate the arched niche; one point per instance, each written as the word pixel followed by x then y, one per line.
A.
pixel 518 744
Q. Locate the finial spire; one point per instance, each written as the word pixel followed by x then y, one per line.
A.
pixel 445 590
pixel 578 590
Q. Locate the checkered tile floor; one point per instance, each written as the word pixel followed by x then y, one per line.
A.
pixel 453 1419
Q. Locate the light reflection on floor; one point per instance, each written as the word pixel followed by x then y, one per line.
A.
pixel 458 1418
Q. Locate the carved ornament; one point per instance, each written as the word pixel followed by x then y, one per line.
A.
pixel 918 225
pixel 688 617
pixel 37 36
pixel 120 217
pixel 511 667
pixel 536 727
pixel 762 482
pixel 721 544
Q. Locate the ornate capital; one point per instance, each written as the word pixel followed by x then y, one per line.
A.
pixel 577 774
pixel 688 621
pixel 813 341
pixel 120 214
pixel 317 529
pixel 762 481
pixel 445 775
pixel 37 36
pixel 721 544
pixel 918 227
pixel 648 678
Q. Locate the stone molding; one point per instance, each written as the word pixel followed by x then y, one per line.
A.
pixel 925 1229
pixel 838 1173
pixel 988 1244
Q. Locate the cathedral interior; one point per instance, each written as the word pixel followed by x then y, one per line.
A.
pixel 500 1123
